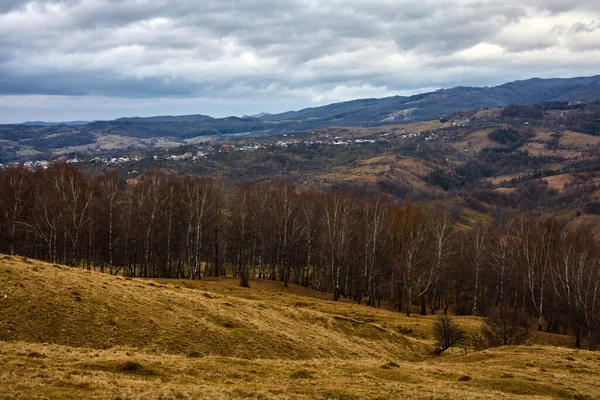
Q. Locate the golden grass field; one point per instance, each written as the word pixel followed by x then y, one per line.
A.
pixel 74 334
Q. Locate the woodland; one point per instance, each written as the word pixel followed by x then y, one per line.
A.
pixel 375 250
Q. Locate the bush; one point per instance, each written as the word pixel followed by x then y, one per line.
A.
pixel 505 327
pixel 592 208
pixel 447 333
pixel 521 111
pixel 504 135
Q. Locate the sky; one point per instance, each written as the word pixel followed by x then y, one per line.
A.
pixel 103 59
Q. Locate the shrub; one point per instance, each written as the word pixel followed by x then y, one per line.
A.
pixel 504 135
pixel 505 327
pixel 447 333
pixel 521 111
pixel 592 208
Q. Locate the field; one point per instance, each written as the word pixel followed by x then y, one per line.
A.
pixel 69 333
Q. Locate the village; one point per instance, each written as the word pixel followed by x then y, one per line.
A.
pixel 205 150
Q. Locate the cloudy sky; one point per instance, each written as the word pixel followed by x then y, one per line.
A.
pixel 101 59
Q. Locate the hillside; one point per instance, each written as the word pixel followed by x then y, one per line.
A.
pixel 481 163
pixel 54 304
pixel 31 139
pixel 446 101
pixel 69 333
pixel 492 161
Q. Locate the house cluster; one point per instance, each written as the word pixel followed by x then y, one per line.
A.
pixel 31 165
pixel 337 141
pixel 456 123
pixel 112 161
pixel 204 151
pixel 435 136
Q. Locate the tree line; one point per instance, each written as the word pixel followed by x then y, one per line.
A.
pixel 367 248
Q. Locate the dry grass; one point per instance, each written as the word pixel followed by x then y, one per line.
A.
pixel 414 165
pixel 472 217
pixel 368 173
pixel 54 304
pixel 490 113
pixel 406 170
pixel 476 141
pixel 505 190
pixel 578 140
pixel 359 132
pixel 67 333
pixel 592 222
pixel 540 149
pixel 543 135
pixel 387 159
pixel 496 180
pixel 558 182
pixel 36 371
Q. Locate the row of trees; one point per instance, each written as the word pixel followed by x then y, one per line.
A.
pixel 365 248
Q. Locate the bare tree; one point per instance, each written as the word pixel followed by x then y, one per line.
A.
pixel 310 207
pixel 447 333
pixel 376 235
pixel 478 241
pixel 288 223
pixel 77 199
pixel 505 327
pixel 241 233
pixel 442 231
pixel 339 223
pixel 150 199
pixel 537 240
pixel 14 198
pixel 111 192
pixel 501 258
pixel 576 277
pixel 409 237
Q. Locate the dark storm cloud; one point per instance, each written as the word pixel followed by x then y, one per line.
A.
pixel 8 5
pixel 316 50
pixel 80 84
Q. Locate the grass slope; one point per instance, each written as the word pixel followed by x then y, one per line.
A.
pixel 53 304
pixel 67 333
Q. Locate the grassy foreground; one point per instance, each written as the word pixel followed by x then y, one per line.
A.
pixel 67 333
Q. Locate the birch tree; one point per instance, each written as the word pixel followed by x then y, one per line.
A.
pixel 478 245
pixel 375 212
pixel 339 230
pixel 111 193
pixel 15 196
pixel 441 231
pixel 537 239
pixel 409 234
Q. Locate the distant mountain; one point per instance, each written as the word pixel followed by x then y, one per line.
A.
pixel 44 123
pixel 445 102
pixel 167 118
pixel 47 136
pixel 257 115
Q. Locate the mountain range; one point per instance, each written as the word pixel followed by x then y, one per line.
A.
pixel 397 109
pixel 76 135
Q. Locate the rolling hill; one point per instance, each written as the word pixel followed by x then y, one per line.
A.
pixel 70 333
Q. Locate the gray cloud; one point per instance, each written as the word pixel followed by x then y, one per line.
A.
pixel 262 51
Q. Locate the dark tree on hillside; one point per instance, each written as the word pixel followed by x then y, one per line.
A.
pixel 447 333
pixel 506 327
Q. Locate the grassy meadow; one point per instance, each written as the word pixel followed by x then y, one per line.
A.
pixel 74 334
